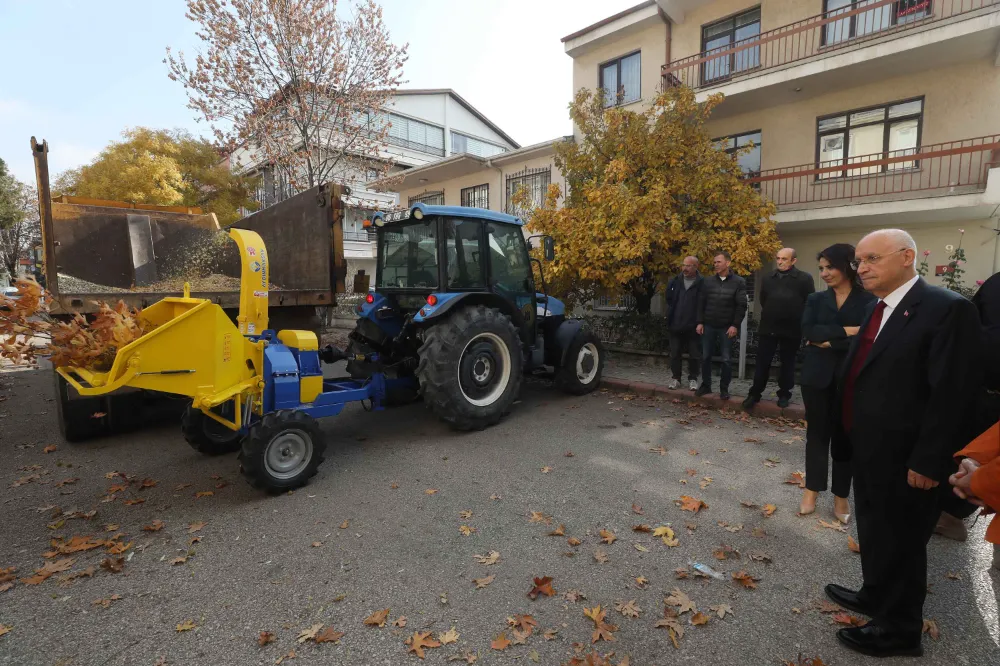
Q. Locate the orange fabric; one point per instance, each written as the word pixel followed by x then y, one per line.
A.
pixel 985 450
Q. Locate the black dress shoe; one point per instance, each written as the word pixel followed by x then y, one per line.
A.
pixel 849 599
pixel 874 641
pixel 703 390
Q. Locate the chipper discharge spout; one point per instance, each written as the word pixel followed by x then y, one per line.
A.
pixel 252 389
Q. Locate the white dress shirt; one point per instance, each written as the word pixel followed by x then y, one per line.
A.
pixel 893 299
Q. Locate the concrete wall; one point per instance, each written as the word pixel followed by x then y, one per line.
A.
pixel 960 102
pixel 650 40
pixel 979 242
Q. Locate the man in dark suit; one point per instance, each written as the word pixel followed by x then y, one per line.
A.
pixel 909 380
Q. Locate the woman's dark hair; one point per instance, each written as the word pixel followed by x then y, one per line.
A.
pixel 840 256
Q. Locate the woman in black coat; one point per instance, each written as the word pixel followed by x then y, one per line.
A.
pixel 830 319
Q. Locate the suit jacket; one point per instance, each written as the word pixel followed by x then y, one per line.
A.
pixel 823 322
pixel 915 393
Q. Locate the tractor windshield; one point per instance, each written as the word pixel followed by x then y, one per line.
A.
pixel 408 255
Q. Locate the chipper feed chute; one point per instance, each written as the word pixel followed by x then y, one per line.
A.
pixel 193 348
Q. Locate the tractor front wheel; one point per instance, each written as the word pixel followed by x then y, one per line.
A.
pixel 470 367
pixel 282 451
pixel 208 436
pixel 583 364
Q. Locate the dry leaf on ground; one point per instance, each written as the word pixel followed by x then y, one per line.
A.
pixel 500 643
pixel 853 545
pixel 607 536
pixel 186 625
pixel 797 479
pixel 420 640
pixel 265 637
pixel 688 503
pixel 309 634
pixel 523 623
pixel 699 618
pixel 746 580
pixel 430 491
pixel 769 510
pixel 378 618
pixel 573 541
pixel 490 558
pixel 542 586
pixel 450 636
pixel 848 619
pixel 931 629
pixel 559 531
pixel 483 582
pixel 601 556
pixel 539 517
pixel 681 601
pixel 628 609
pixel 49 570
pixel 466 530
pixel 328 635
pixel 155 526
pixel 399 621
pixel 722 610
pixel 195 527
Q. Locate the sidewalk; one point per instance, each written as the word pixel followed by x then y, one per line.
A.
pixel 628 373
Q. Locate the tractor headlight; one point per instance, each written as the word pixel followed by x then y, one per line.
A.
pixel 418 214
pixel 379 221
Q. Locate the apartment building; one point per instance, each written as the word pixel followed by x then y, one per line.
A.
pixel 425 126
pixel 863 114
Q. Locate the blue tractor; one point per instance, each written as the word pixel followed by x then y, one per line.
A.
pixel 455 309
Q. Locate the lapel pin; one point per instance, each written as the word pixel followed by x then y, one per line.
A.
pixel 906 313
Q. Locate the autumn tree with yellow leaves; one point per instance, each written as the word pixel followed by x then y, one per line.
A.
pixel 646 189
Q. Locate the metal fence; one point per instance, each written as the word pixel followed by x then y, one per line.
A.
pixel 367 236
pixel 830 32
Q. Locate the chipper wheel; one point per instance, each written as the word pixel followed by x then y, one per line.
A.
pixel 583 364
pixel 282 451
pixel 208 436
pixel 470 367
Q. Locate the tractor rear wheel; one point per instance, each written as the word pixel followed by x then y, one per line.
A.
pixel 208 436
pixel 282 451
pixel 583 364
pixel 470 367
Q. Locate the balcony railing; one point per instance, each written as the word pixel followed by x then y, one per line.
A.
pixel 957 167
pixel 821 35
pixel 360 236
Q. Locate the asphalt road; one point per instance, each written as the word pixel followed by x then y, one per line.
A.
pixel 283 564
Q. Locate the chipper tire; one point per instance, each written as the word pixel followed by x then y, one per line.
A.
pixel 470 367
pixel 282 451
pixel 583 364
pixel 206 436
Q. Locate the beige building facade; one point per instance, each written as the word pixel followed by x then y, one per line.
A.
pixel 863 114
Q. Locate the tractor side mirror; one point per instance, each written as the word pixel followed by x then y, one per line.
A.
pixel 549 248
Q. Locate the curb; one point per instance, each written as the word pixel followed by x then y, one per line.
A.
pixel 763 409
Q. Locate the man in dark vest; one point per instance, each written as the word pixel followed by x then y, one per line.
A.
pixel 682 318
pixel 782 298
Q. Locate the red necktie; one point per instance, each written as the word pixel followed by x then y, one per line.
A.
pixel 865 346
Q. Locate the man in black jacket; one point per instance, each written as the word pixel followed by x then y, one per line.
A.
pixel 682 318
pixel 722 305
pixel 909 382
pixel 782 297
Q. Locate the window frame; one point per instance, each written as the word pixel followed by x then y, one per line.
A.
pixel 523 178
pixel 736 147
pixel 732 43
pixel 472 193
pixel 886 122
pixel 483 251
pixel 852 29
pixel 469 137
pixel 617 61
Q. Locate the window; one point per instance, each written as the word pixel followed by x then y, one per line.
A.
pixel 509 267
pixel 871 21
pixel 354 227
pixel 724 35
pixel 476 197
pixel 749 162
pixel 863 135
pixel 407 255
pixel 461 143
pixel 462 242
pixel 535 181
pixel 416 135
pixel 619 79
pixel 429 198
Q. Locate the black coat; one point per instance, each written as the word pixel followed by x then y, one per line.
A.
pixel 987 300
pixel 916 388
pixel 722 303
pixel 782 299
pixel 682 304
pixel 823 322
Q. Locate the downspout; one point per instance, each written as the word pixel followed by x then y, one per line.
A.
pixel 666 19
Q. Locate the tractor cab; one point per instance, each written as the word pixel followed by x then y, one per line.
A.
pixel 456 306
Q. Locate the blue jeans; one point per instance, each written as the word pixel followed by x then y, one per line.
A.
pixel 709 339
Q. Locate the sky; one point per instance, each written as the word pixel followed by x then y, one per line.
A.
pixel 78 72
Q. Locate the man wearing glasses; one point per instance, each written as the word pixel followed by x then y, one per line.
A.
pixel 908 385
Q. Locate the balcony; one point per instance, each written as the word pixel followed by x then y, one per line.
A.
pixel 367 236
pixel 841 49
pixel 938 182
